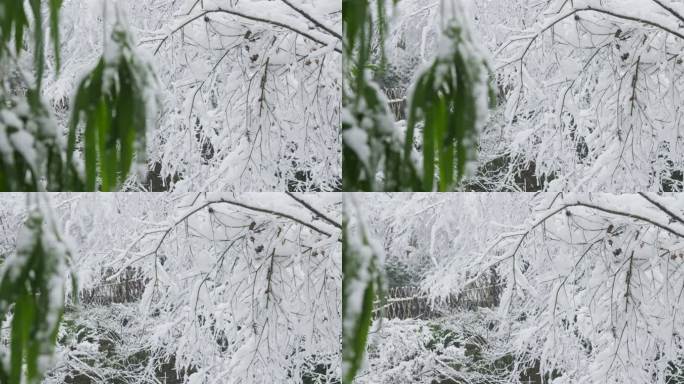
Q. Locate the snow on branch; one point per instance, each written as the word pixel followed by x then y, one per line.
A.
pixel 289 24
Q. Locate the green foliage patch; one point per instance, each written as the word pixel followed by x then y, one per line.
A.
pixel 109 116
pixel 110 101
pixel 448 99
pixel 362 281
pixel 32 285
pixel 13 22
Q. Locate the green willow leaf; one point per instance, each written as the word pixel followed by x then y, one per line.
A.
pixel 20 330
pixel 90 149
pixel 445 152
pixel 126 120
pixel 428 152
pixel 361 332
pixel 362 280
pixel 18 18
pixel 38 40
pixel 106 143
pixel 55 6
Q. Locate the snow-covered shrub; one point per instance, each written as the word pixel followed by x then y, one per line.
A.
pixel 452 349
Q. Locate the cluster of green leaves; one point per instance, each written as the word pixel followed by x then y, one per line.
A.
pixel 109 118
pixel 362 280
pixel 111 102
pixel 367 111
pixel 445 100
pixel 19 170
pixel 13 18
pixel 32 292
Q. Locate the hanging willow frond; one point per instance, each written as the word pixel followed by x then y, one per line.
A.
pixel 111 102
pixel 13 22
pixel 362 283
pixel 109 117
pixel 371 144
pixel 32 288
pixel 450 98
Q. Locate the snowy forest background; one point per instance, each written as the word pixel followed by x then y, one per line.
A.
pixel 186 288
pixel 529 288
pixel 588 93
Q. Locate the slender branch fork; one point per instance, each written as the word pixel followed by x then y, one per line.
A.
pixel 314 210
pixel 670 9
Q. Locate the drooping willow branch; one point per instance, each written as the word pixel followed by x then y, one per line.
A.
pixel 274 213
pixel 598 208
pixel 246 16
pixel 598 10
pixel 557 20
pixel 525 233
pixel 165 232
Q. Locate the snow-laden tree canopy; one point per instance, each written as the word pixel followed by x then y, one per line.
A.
pixel 589 92
pixel 246 96
pixel 236 289
pixel 589 286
